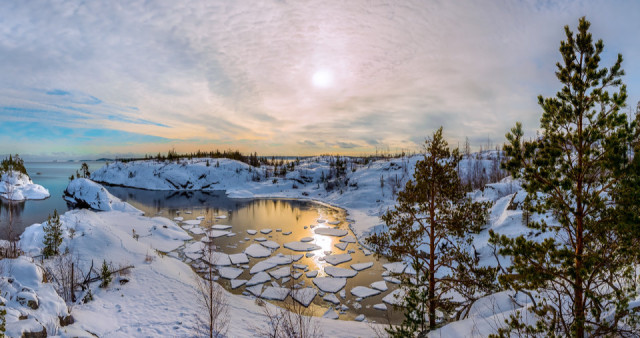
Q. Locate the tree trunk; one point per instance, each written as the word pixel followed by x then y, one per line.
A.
pixel 432 268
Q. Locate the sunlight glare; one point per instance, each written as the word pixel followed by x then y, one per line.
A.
pixel 322 78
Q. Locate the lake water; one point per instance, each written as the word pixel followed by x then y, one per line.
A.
pixel 53 176
pixel 292 216
pixel 280 216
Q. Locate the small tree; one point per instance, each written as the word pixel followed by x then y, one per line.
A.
pixel 105 274
pixel 430 226
pixel 52 235
pixel 581 264
pixel 84 171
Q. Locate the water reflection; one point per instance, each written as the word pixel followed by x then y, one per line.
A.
pixel 288 220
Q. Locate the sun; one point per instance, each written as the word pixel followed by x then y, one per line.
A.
pixel 322 78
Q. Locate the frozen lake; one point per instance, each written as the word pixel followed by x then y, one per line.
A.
pixel 270 223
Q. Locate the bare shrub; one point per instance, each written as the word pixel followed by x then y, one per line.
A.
pixel 213 320
pixel 291 320
pixel 63 271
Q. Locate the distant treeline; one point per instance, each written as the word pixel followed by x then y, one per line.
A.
pixel 253 159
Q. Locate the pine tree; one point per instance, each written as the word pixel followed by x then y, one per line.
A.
pixel 430 226
pixel 52 235
pixel 84 170
pixel 105 274
pixel 580 264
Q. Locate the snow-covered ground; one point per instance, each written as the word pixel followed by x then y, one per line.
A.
pixel 17 186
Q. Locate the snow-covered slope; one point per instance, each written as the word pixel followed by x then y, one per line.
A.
pixel 32 306
pixel 187 175
pixel 17 186
pixel 84 193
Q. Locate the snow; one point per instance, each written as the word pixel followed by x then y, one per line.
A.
pixel 239 258
pixel 196 231
pixel 259 278
pixel 304 296
pixel 331 298
pixel 359 318
pixel 306 239
pixel 265 231
pixel 330 314
pixel 252 232
pixel 217 258
pixel 395 297
pixel 330 284
pixel 361 266
pixel 312 274
pixel 256 290
pixel 17 186
pixel 221 227
pixel 380 306
pixel 348 239
pixel 337 259
pixel 218 233
pixel 23 286
pixel 274 261
pixel 178 219
pixel 192 222
pixel 364 292
pixel 83 192
pixel 339 272
pixel 236 283
pixel 257 251
pixel 341 246
pixel 284 271
pixel 270 244
pixel 275 293
pixel 229 272
pixel 396 267
pixel 330 232
pixel 300 246
pixel 380 285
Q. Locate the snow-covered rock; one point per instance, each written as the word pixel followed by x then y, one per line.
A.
pixel 84 193
pixel 364 292
pixel 337 259
pixel 330 232
pixel 275 293
pixel 257 251
pixel 330 284
pixel 339 272
pixel 361 266
pixel 17 186
pixel 301 246
pixel 305 295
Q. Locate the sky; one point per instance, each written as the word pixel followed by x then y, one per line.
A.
pixel 89 79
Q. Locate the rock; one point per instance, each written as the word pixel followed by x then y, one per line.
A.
pixel 67 320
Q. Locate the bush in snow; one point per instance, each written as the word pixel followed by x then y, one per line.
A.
pixel 213 320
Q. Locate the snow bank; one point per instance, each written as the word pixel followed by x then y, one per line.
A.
pixel 84 193
pixel 25 296
pixel 17 186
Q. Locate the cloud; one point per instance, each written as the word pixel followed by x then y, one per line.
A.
pixel 220 73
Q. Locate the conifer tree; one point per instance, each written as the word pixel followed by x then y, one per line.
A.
pixel 52 235
pixel 430 226
pixel 105 274
pixel 579 263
